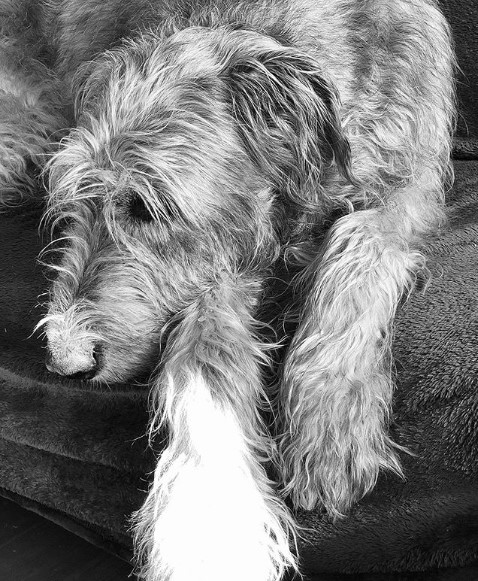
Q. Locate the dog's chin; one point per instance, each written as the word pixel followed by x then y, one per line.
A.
pixel 133 378
pixel 132 363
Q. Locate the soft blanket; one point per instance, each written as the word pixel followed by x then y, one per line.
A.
pixel 78 455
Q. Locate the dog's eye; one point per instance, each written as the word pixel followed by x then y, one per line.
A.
pixel 137 209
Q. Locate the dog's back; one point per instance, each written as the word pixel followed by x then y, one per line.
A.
pixel 65 33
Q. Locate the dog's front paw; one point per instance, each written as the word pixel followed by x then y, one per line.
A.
pixel 206 524
pixel 331 454
pixel 211 513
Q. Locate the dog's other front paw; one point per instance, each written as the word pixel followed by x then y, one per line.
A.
pixel 331 453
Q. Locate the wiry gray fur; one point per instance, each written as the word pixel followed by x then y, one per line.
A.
pixel 207 148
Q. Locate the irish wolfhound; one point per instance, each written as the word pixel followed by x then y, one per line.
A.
pixel 194 150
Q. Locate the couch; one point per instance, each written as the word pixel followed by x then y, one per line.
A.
pixel 77 454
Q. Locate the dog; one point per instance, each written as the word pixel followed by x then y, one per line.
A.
pixel 195 152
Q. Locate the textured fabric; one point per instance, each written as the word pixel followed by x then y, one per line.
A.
pixel 76 454
pixel 70 448
pixel 463 18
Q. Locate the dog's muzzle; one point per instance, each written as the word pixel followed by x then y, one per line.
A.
pixel 72 354
pixel 75 365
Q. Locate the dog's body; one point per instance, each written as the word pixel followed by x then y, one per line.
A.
pixel 210 145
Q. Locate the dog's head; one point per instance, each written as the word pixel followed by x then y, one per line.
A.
pixel 190 153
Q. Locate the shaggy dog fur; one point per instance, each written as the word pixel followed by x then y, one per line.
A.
pixel 209 146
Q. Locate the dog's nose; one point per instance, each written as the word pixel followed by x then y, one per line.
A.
pixel 74 365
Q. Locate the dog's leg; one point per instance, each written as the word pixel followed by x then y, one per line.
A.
pixel 211 513
pixel 30 114
pixel 337 382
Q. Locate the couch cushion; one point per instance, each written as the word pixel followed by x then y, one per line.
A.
pixel 77 453
pixel 463 18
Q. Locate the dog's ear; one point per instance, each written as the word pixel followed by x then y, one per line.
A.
pixel 287 114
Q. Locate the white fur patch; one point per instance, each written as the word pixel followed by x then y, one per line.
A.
pixel 212 521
